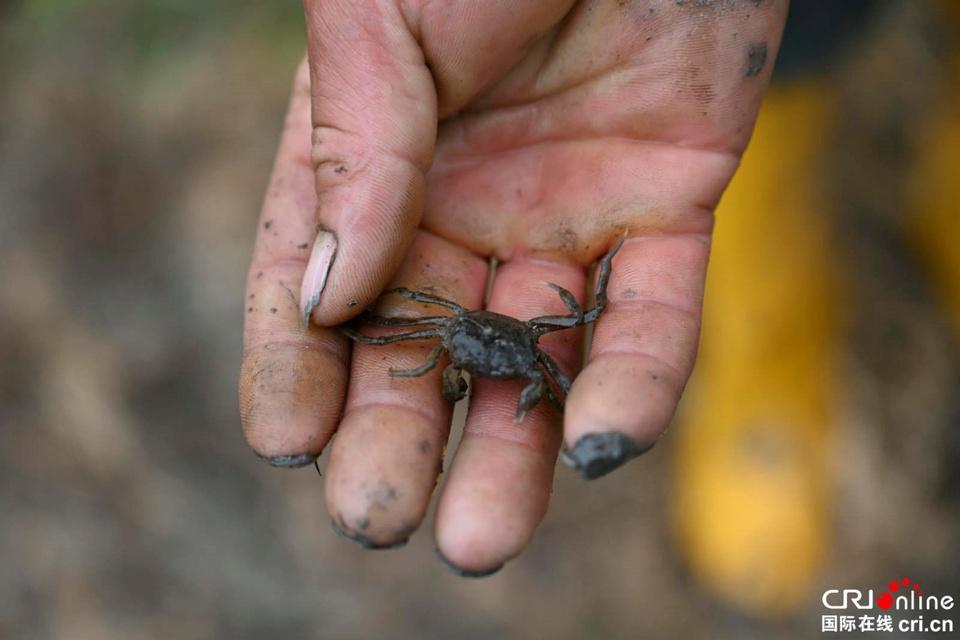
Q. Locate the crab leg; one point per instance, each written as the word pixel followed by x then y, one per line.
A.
pixel 600 295
pixel 530 395
pixel 554 371
pixel 546 324
pixel 568 299
pixel 552 397
pixel 431 362
pixel 423 334
pixel 419 296
pixel 383 321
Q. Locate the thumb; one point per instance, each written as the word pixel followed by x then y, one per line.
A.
pixel 374 111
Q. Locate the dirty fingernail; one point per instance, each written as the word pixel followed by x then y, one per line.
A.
pixel 315 276
pixel 467 573
pixel 597 454
pixel 289 461
pixel 363 541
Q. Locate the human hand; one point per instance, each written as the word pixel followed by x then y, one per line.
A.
pixel 434 135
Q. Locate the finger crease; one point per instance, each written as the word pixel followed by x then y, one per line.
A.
pixel 636 304
pixel 429 416
pixel 675 370
pixel 318 346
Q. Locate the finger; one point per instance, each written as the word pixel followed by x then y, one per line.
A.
pixel 498 488
pixel 643 351
pixel 293 379
pixel 384 462
pixel 374 125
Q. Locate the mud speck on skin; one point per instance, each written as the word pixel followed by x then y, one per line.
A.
pixel 382 496
pixel 249 309
pixel 565 239
pixel 340 169
pixel 267 224
pixel 362 523
pixel 424 446
pixel 756 58
pixel 259 274
pixel 273 309
pixel 290 295
pixel 341 529
pixel 302 246
pixel 351 302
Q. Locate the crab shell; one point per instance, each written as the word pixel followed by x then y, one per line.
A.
pixel 492 345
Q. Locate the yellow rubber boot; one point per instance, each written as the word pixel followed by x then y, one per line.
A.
pixel 751 478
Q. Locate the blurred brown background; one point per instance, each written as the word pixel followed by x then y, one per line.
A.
pixel 135 144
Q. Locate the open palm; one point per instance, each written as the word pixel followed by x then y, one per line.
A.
pixel 435 135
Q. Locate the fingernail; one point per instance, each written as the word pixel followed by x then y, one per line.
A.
pixel 315 277
pixel 365 542
pixel 467 573
pixel 597 454
pixel 290 461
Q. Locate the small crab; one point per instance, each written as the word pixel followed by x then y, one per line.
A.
pixel 489 344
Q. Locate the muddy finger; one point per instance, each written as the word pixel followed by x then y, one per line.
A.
pixel 499 485
pixel 293 379
pixel 386 457
pixel 643 351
